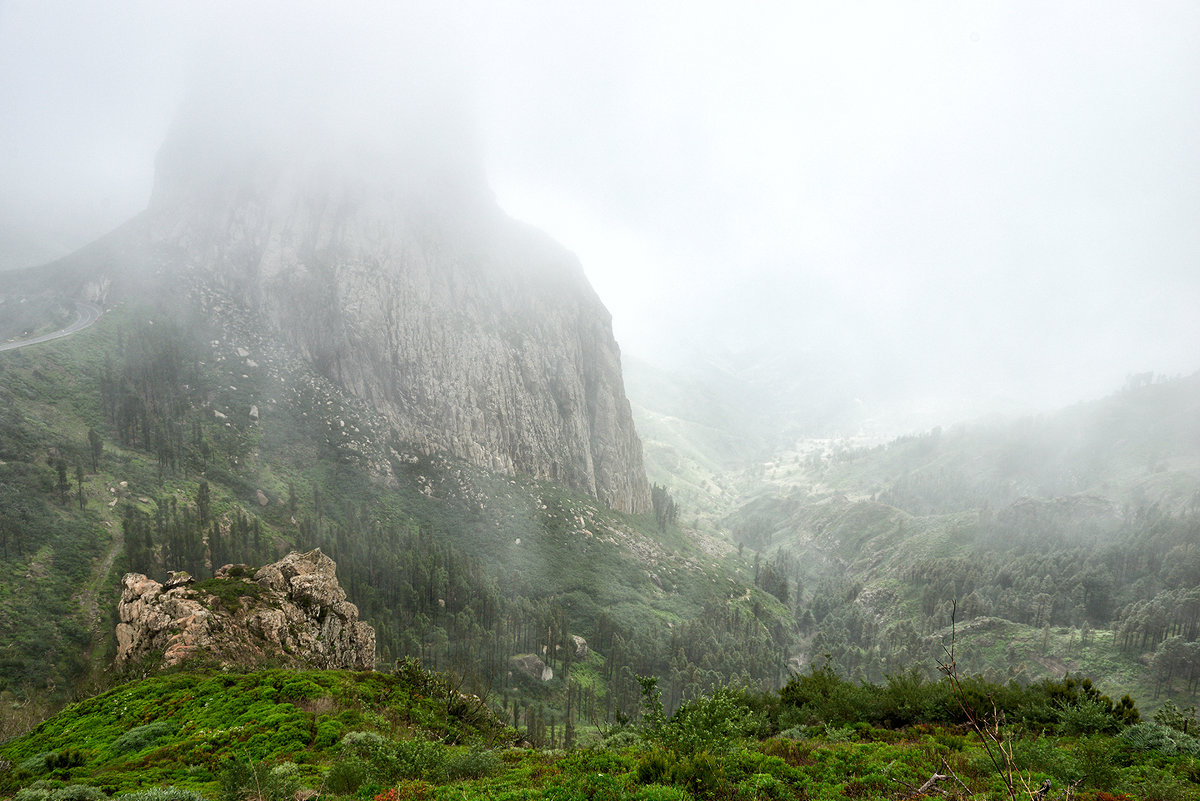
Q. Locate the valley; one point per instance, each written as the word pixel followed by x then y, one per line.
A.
pixel 598 402
pixel 838 557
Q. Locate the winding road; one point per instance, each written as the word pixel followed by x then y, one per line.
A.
pixel 88 314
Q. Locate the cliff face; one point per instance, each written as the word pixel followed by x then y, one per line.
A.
pixel 393 271
pixel 291 612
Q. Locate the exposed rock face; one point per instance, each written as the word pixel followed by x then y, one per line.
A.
pixel 395 273
pixel 291 612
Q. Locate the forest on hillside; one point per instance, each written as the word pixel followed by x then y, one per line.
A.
pixel 1071 539
pixel 137 447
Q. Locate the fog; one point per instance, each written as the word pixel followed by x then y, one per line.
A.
pixel 961 206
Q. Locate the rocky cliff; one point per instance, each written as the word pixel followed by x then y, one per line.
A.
pixel 390 267
pixel 292 612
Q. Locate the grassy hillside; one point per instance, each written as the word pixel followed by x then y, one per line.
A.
pixel 272 735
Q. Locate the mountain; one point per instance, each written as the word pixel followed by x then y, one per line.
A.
pixel 1064 542
pixel 386 264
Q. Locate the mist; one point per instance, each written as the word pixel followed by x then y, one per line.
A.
pixel 962 207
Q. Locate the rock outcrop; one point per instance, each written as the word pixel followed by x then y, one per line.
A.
pixel 393 271
pixel 533 666
pixel 292 612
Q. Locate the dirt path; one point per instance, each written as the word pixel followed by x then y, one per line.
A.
pixel 89 597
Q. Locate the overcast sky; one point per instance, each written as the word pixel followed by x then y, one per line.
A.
pixel 999 200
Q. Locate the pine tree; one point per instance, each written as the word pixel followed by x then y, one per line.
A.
pixel 203 502
pixel 95 448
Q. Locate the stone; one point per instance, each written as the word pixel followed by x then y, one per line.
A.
pixel 581 646
pixel 178 578
pixel 291 612
pixel 533 666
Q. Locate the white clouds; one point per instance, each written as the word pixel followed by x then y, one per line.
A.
pixel 1005 191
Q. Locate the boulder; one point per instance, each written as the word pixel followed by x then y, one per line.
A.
pixel 290 612
pixel 581 646
pixel 533 666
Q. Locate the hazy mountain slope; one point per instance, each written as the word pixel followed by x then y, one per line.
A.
pixel 1139 446
pixel 229 449
pixel 388 266
pixel 1074 533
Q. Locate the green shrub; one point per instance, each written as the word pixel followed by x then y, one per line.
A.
pixel 1169 714
pixel 714 722
pixel 821 696
pixel 654 767
pixel 38 791
pixel 761 787
pixel 1098 760
pixel 700 774
pixel 301 690
pixel 908 698
pixel 44 791
pixel 78 792
pixel 142 737
pixel 347 775
pixel 162 794
pixel 1086 716
pixel 660 792
pixel 247 779
pixel 473 764
pixel 1160 739
pixel 367 745
pixel 34 765
pixel 420 759
pixel 329 731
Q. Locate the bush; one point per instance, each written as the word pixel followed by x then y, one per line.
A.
pixel 162 794
pixel 699 774
pixel 34 765
pixel 346 776
pixel 1098 760
pixel 382 760
pixel 329 731
pixel 821 696
pixel 367 745
pixel 653 768
pixel 419 759
pixel 41 791
pixel 142 737
pixel 473 764
pixel 761 787
pixel 78 792
pixel 1169 714
pixel 909 698
pixel 714 722
pixel 1160 739
pixel 1086 716
pixel 257 781
pixel 659 792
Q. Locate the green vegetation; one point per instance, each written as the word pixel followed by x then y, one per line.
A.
pixel 1068 544
pixel 25 316
pixel 681 666
pixel 411 734
pixel 197 450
